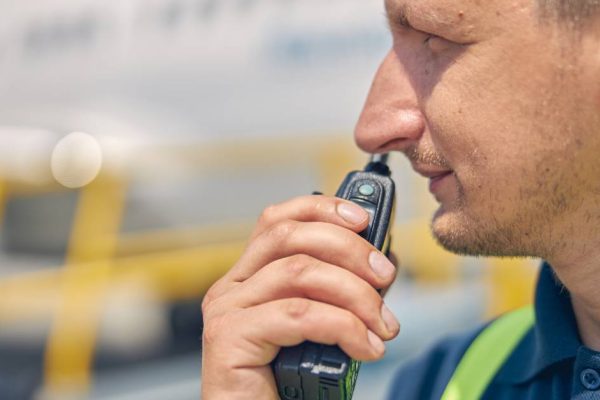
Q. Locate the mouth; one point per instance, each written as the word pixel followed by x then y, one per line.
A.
pixel 437 181
pixel 436 176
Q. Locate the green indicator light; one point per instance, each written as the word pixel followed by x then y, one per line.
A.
pixel 366 190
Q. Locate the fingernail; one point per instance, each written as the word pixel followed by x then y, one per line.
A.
pixel 381 265
pixel 391 322
pixel 352 213
pixel 376 343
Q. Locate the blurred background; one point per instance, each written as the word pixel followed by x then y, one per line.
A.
pixel 139 142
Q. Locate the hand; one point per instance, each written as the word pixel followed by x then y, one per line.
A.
pixel 305 275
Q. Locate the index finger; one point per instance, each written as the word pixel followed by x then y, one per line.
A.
pixel 314 209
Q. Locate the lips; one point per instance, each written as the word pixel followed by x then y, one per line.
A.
pixel 431 172
pixel 440 176
pixel 436 175
pixel 436 182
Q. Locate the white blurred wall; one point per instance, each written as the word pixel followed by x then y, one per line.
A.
pixel 206 68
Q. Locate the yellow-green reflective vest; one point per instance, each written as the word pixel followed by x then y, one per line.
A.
pixel 487 354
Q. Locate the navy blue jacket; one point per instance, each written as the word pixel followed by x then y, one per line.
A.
pixel 549 363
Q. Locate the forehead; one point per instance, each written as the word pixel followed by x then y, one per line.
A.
pixel 452 12
pixel 436 7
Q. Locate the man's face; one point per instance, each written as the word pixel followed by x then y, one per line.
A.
pixel 500 108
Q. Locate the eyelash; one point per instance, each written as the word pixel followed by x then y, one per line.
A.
pixel 404 23
pixel 428 36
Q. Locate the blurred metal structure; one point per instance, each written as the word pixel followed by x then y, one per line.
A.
pixel 173 265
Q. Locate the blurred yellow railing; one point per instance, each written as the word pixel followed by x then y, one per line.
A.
pixel 94 237
pixel 172 275
pixel 3 196
pixel 93 262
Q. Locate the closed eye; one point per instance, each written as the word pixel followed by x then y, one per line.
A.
pixel 402 24
pixel 438 44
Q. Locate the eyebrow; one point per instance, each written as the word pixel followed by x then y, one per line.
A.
pixel 404 14
pixel 397 15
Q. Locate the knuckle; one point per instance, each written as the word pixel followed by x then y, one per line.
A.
pixel 322 204
pixel 267 217
pixel 282 231
pixel 299 264
pixel 205 305
pixel 207 301
pixel 297 308
pixel 212 294
pixel 213 329
pixel 352 241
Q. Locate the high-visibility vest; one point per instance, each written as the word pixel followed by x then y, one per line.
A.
pixel 487 354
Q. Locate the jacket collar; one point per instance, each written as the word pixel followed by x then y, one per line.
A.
pixel 553 340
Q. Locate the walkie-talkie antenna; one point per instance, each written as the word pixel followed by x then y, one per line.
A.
pixel 380 158
pixel 378 163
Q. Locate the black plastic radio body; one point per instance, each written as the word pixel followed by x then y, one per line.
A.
pixel 312 371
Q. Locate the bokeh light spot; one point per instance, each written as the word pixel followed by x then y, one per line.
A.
pixel 76 160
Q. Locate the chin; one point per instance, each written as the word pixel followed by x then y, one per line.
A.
pixel 450 233
pixel 467 235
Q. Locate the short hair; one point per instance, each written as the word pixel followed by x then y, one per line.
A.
pixel 574 11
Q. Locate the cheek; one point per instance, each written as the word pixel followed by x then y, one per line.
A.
pixel 493 120
pixel 485 114
pixel 485 148
pixel 467 125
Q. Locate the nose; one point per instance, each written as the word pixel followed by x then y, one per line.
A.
pixel 391 119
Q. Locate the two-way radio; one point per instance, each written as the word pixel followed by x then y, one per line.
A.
pixel 312 371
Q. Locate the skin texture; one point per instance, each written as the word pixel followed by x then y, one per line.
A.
pixel 503 102
pixel 507 101
pixel 295 282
